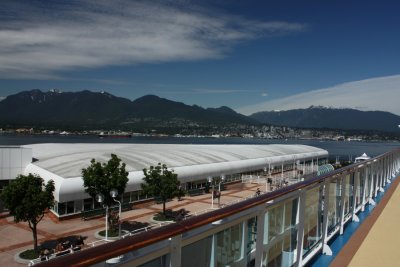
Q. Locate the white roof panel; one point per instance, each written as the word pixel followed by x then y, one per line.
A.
pixel 67 160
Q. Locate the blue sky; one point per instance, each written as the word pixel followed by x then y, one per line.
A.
pixel 248 55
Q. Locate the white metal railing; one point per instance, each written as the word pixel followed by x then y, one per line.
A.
pixel 295 213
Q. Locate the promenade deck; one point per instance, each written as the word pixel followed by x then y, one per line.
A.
pixel 18 237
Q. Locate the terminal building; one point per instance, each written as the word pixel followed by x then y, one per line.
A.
pixel 196 165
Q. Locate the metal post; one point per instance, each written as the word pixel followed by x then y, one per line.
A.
pixel 212 196
pixel 371 185
pixel 106 222
pixel 176 251
pixel 260 237
pixel 300 232
pixel 119 218
pixel 364 170
pixel 355 186
pixel 210 180
pixel 342 197
pixel 326 249
pixel 312 165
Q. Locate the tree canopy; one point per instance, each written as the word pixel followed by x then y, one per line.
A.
pixel 27 199
pixel 103 177
pixel 160 183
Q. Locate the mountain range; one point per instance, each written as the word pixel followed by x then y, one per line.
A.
pixel 101 110
pixel 331 118
pixel 88 109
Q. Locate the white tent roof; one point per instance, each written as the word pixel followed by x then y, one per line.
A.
pixel 190 162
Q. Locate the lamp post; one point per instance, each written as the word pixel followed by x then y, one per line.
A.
pixel 100 199
pixel 210 180
pixel 114 194
pixel 219 189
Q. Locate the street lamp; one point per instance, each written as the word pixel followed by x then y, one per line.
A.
pixel 210 180
pixel 114 194
pixel 100 199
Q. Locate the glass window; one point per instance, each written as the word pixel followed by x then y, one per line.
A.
pixel 55 207
pixel 334 204
pixel 87 204
pixel 126 197
pixel 70 207
pixel 229 245
pixel 141 195
pixel 347 190
pixel 312 220
pixel 280 236
pixel 275 222
pixel 251 234
pixel 359 186
pixel 162 261
pixel 62 208
pixel 198 254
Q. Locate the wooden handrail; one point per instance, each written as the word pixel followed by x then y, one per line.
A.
pixel 114 249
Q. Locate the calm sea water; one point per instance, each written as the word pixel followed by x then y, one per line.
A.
pixel 343 149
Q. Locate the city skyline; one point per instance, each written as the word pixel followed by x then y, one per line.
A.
pixel 250 56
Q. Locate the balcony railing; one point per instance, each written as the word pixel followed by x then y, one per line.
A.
pixel 286 227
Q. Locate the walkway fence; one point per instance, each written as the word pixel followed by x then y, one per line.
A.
pixel 285 227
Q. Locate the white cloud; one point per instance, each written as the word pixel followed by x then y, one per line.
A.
pixel 1 98
pixel 381 93
pixel 219 91
pixel 40 42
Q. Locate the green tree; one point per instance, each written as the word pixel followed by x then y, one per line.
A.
pixel 161 183
pixel 28 198
pixel 103 177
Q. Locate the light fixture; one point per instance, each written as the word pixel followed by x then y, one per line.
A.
pixel 99 198
pixel 113 193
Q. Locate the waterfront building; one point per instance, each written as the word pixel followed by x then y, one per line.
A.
pixel 194 164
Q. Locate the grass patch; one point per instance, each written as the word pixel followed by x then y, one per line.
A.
pixel 171 215
pixel 162 218
pixel 29 254
pixel 110 233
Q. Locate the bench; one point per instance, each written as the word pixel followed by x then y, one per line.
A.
pixel 62 253
pixel 90 214
pixel 158 199
pixel 195 192
pixel 126 206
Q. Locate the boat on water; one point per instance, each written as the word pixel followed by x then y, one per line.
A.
pixel 363 157
pixel 114 135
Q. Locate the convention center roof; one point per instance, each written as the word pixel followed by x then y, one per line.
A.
pixel 67 160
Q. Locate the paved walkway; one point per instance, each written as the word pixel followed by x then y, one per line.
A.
pixel 376 242
pixel 18 237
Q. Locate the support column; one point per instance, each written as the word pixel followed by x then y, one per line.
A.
pixel 176 251
pixel 355 186
pixel 364 170
pixel 300 232
pixel 260 238
pixel 388 174
pixel 342 196
pixel 371 185
pixel 326 249
pixel 381 180
pixel 391 166
pixel 376 188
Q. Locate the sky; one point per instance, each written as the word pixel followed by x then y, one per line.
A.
pixel 248 55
